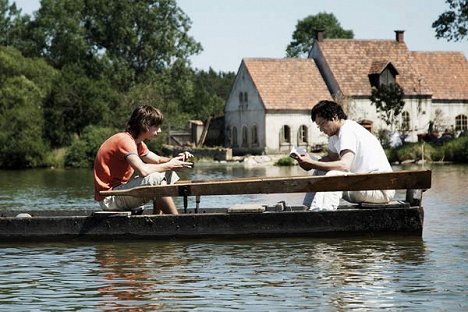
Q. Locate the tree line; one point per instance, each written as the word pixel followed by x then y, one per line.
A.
pixel 78 67
pixel 71 73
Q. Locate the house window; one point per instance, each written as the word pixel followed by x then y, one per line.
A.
pixel 228 136
pixel 460 122
pixel 234 136
pixel 387 78
pixel 405 121
pixel 243 100
pixel 285 135
pixel 245 136
pixel 254 135
pixel 302 134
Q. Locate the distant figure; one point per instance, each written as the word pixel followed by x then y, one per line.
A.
pixel 125 153
pixel 395 139
pixel 351 149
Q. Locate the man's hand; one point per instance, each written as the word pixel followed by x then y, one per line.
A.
pixel 185 156
pixel 180 161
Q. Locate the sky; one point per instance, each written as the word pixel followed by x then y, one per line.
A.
pixel 230 30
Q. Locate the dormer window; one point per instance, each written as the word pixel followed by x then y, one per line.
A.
pixel 382 73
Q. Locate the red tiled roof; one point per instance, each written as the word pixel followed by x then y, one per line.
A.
pixel 446 73
pixel 289 83
pixel 351 60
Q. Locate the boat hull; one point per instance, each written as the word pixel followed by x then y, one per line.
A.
pixel 339 223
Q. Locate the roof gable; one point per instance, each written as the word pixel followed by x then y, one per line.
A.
pixel 290 83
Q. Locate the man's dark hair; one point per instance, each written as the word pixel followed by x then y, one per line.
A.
pixel 143 117
pixel 328 110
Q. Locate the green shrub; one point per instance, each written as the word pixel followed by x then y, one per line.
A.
pixel 457 150
pixel 285 161
pixel 391 154
pixel 383 135
pixel 83 150
pixel 409 151
pixel 56 158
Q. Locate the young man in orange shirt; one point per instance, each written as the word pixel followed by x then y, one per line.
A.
pixel 125 153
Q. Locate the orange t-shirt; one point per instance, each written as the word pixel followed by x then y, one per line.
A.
pixel 111 167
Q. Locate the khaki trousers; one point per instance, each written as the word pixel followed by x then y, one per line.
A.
pixel 119 203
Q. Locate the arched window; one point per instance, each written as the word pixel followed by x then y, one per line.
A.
pixel 234 136
pixel 228 137
pixel 285 135
pixel 405 121
pixel 461 122
pixel 241 98
pixel 302 134
pixel 245 136
pixel 254 135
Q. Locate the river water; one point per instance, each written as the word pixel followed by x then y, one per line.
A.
pixel 362 274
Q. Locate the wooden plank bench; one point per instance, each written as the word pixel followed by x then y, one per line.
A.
pixel 414 181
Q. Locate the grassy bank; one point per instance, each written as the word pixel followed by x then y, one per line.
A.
pixel 454 151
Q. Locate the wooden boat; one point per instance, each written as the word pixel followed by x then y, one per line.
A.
pixel 396 218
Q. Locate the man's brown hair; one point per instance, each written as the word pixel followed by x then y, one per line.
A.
pixel 143 117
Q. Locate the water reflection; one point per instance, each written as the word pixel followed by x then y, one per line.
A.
pixel 127 270
pixel 237 274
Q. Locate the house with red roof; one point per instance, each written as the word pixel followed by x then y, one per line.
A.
pixel 268 110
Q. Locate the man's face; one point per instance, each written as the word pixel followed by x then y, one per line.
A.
pixel 329 127
pixel 152 132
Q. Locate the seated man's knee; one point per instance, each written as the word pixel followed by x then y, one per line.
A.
pixel 155 178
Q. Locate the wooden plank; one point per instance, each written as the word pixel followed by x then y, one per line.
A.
pixel 299 184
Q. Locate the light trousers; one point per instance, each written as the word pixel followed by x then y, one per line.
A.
pixel 330 200
pixel 119 203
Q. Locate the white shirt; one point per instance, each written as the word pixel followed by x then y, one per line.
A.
pixel 369 155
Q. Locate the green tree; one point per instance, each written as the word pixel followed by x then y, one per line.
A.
pixel 12 24
pixel 303 36
pixel 211 90
pixel 24 83
pixel 104 48
pixel 126 40
pixel 77 101
pixel 82 151
pixel 453 23
pixel 388 100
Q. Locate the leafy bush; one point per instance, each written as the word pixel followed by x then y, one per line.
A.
pixel 409 151
pixel 285 161
pixel 83 150
pixel 56 158
pixel 457 150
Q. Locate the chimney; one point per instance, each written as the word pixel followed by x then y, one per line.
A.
pixel 400 36
pixel 319 34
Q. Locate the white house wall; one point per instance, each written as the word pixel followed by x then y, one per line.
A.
pixel 444 114
pixel 360 109
pixel 249 114
pixel 274 124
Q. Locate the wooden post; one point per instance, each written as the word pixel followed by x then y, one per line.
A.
pixel 414 197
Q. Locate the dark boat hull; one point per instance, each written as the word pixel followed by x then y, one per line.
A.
pixel 339 223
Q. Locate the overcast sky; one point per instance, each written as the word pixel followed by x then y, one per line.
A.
pixel 230 30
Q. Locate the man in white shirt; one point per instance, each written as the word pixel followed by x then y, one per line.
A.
pixel 351 149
